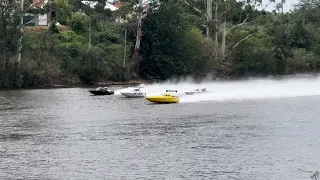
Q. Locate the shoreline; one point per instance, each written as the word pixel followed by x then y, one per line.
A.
pixel 142 81
pixel 80 85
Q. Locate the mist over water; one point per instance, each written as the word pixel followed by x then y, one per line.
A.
pixel 290 86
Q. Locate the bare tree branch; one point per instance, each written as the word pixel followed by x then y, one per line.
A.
pixel 265 7
pixel 222 14
pixel 250 36
pixel 243 23
pixel 196 9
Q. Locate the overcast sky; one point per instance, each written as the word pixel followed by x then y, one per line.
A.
pixel 287 6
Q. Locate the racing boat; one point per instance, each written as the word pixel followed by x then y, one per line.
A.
pixel 167 97
pixel 196 91
pixel 101 91
pixel 136 92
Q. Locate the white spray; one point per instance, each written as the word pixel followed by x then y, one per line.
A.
pixel 238 90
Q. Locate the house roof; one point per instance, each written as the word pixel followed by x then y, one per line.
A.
pixel 117 5
pixel 111 7
pixel 39 3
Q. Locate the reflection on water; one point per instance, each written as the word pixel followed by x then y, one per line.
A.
pixel 68 134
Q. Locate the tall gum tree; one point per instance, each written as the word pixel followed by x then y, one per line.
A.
pixel 222 13
pixel 279 5
pixel 22 11
pixel 142 9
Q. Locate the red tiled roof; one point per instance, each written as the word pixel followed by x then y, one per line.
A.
pixel 39 2
pixel 117 5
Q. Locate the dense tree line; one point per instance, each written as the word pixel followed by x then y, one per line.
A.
pixel 156 40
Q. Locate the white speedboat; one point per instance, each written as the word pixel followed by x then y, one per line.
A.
pixel 197 91
pixel 172 92
pixel 136 92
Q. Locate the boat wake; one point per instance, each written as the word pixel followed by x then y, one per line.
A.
pixel 239 90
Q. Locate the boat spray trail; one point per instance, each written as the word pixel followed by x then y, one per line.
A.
pixel 240 90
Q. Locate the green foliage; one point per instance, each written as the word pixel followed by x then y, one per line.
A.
pixel 173 42
pixel 170 44
pixel 254 55
pixel 53 28
pixel 107 33
pixel 61 11
pixel 303 61
pixel 78 22
pixel 91 62
pixel 70 37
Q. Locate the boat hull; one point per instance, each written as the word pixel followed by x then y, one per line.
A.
pixel 101 93
pixel 190 93
pixel 163 99
pixel 134 95
pixel 193 93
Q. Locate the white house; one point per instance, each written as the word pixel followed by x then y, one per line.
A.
pixel 41 19
pixel 108 5
pixel 92 4
pixel 114 6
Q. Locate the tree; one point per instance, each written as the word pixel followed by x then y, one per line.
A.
pixel 231 13
pixel 141 13
pixel 310 9
pixel 10 29
pixel 171 44
pixel 21 31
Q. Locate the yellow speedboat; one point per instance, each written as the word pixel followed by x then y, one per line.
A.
pixel 165 98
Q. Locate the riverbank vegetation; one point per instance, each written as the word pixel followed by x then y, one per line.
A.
pixel 156 40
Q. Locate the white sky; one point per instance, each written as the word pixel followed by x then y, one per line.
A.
pixel 286 7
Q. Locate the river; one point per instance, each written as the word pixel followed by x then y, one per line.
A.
pixel 69 134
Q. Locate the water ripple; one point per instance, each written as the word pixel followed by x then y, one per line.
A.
pixel 68 134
